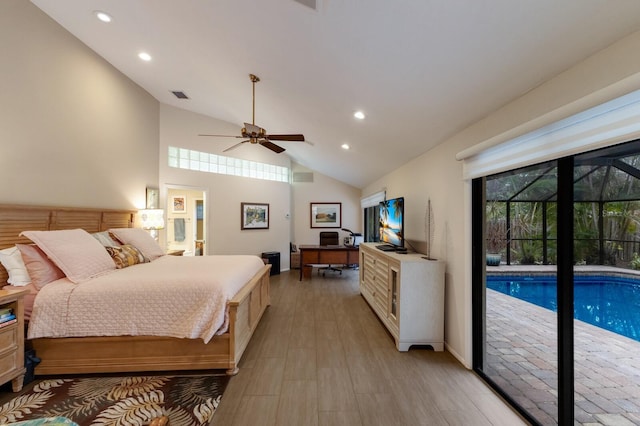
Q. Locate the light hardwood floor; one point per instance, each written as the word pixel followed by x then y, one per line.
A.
pixel 321 357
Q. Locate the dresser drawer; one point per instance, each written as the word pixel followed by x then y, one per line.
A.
pixel 8 339
pixel 8 361
pixel 8 349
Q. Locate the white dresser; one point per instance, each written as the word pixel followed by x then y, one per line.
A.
pixel 406 291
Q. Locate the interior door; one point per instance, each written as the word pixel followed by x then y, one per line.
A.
pixel 199 227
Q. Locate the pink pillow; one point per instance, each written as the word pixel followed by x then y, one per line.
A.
pixel 41 270
pixel 79 255
pixel 140 239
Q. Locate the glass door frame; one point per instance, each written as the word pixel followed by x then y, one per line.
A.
pixel 564 293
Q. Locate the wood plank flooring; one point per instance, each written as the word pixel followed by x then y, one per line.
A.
pixel 321 357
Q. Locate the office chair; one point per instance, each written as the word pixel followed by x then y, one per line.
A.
pixel 329 238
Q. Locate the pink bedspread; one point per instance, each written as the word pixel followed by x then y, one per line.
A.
pixel 184 297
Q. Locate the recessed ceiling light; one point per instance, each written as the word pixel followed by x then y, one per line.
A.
pixel 144 56
pixel 345 146
pixel 103 16
pixel 359 115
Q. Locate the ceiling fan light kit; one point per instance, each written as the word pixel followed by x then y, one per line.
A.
pixel 256 134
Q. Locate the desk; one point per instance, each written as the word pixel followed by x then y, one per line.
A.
pixel 326 255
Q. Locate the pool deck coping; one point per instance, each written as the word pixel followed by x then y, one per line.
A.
pixel 530 270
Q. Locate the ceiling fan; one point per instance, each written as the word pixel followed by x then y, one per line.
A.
pixel 257 135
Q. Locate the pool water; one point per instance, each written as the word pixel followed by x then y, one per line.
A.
pixel 608 302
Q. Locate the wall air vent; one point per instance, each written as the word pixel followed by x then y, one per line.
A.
pixel 302 177
pixel 179 94
pixel 308 3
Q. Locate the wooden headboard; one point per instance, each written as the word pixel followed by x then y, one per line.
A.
pixel 15 218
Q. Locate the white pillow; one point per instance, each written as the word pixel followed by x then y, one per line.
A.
pixel 12 261
pixel 105 239
pixel 140 239
pixel 79 255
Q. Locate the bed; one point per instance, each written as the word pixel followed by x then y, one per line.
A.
pixel 126 353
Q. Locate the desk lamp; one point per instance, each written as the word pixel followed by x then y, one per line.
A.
pixel 352 239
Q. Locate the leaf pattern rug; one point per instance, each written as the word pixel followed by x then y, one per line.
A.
pixel 133 400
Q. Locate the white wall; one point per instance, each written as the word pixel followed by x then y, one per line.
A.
pixel 437 174
pixel 225 194
pixel 327 190
pixel 73 130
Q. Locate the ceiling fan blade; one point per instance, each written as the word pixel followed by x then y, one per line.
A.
pixel 221 136
pixel 236 145
pixel 252 128
pixel 290 138
pixel 272 146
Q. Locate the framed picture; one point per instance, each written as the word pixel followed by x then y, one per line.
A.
pixel 326 215
pixel 178 204
pixel 254 216
pixel 153 195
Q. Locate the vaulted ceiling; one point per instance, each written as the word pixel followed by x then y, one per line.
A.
pixel 420 70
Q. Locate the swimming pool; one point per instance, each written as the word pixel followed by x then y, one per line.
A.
pixel 609 302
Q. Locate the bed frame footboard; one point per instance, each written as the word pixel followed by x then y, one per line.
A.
pixel 83 355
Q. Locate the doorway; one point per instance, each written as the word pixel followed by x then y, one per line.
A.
pixel 186 227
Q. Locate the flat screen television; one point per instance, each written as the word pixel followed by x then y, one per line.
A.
pixel 392 221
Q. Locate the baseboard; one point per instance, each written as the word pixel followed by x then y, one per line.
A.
pixel 457 356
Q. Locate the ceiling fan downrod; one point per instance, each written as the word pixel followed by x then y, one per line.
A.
pixel 254 79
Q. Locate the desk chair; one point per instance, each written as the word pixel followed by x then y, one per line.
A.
pixel 294 257
pixel 329 238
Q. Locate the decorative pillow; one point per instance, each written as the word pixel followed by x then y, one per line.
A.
pixel 140 239
pixel 79 255
pixel 12 261
pixel 126 255
pixel 41 270
pixel 105 239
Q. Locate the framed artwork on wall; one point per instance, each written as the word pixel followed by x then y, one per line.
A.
pixel 153 196
pixel 178 204
pixel 326 215
pixel 254 216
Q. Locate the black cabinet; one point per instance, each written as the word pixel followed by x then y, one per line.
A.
pixel 273 258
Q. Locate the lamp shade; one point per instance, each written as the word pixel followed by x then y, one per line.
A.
pixel 152 218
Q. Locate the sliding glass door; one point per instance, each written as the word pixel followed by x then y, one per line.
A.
pixel 519 332
pixel 606 286
pixel 556 287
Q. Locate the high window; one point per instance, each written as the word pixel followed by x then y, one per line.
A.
pixel 189 159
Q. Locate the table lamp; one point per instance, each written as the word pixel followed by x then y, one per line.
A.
pixel 152 220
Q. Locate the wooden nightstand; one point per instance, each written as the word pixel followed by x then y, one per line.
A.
pixel 175 252
pixel 12 340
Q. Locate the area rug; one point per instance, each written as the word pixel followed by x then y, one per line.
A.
pixel 185 399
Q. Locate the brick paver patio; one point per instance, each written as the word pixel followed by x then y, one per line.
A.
pixel 522 358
